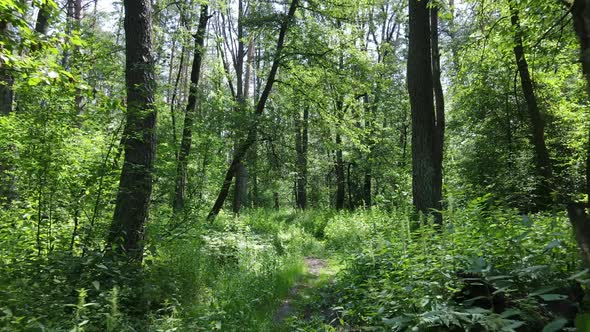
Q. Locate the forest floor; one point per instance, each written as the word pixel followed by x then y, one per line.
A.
pixel 314 267
pixel 309 301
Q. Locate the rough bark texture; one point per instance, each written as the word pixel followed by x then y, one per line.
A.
pixel 420 88
pixel 135 186
pixel 189 118
pixel 301 143
pixel 252 131
pixel 439 135
pixel 542 160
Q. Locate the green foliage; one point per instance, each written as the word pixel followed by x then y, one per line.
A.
pixel 397 279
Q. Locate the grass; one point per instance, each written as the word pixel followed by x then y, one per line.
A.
pixel 234 274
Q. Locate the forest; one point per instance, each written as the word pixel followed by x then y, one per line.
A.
pixel 295 165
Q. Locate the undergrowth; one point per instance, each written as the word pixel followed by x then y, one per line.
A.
pixel 233 274
pixel 399 276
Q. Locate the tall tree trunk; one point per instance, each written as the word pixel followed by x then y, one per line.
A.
pixel 6 97
pixel 581 17
pixel 367 175
pixel 439 135
pixel 240 188
pixel 6 78
pixel 241 179
pixel 135 187
pixel 420 88
pixel 578 212
pixel 339 170
pixel 190 112
pixel 542 160
pixel 252 131
pixel 301 143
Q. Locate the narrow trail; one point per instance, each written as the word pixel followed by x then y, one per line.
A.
pixel 314 268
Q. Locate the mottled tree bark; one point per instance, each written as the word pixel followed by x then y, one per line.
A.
pixel 542 160
pixel 190 113
pixel 135 187
pixel 420 88
pixel 252 131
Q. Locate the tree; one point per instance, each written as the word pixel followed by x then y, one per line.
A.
pixel 439 99
pixel 135 186
pixel 301 147
pixel 542 160
pixel 577 212
pixel 580 11
pixel 6 98
pixel 252 130
pixel 187 136
pixel 426 194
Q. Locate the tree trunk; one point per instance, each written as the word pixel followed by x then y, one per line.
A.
pixel 276 200
pixel 367 177
pixel 577 212
pixel 135 187
pixel 367 189
pixel 339 170
pixel 240 188
pixel 301 143
pixel 252 131
pixel 439 135
pixel 542 160
pixel 420 88
pixel 581 17
pixel 6 96
pixel 190 112
pixel 6 79
pixel 241 178
pixel 42 22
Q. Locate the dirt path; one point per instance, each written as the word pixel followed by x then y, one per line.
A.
pixel 314 267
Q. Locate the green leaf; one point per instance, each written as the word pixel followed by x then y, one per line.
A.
pixel 555 325
pixel 578 275
pixel 33 81
pixel 96 284
pixel 543 290
pixel 76 40
pixel 551 245
pixel 553 297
